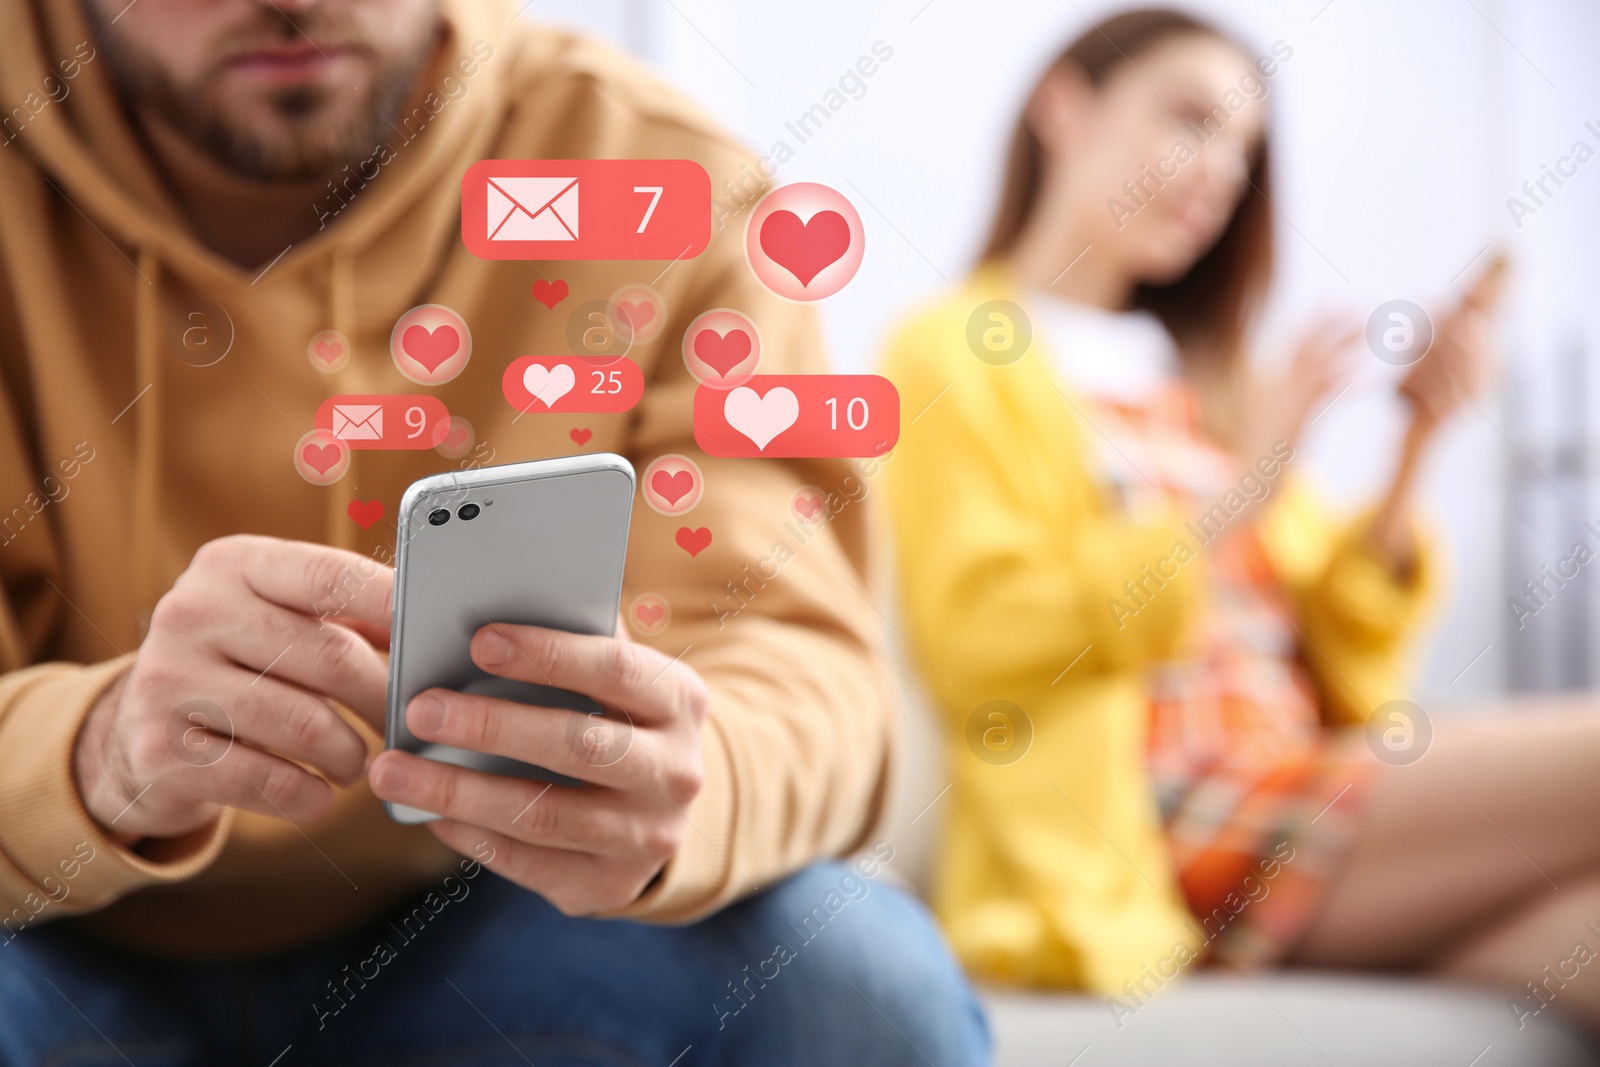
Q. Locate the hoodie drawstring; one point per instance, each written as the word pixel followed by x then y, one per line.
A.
pixel 341 293
pixel 147 431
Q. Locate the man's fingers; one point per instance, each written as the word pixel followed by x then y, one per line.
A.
pixel 316 580
pixel 287 720
pixel 574 882
pixel 238 775
pixel 618 674
pixel 603 749
pixel 326 659
pixel 536 812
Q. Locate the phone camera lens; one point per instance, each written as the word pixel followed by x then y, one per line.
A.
pixel 467 511
pixel 439 516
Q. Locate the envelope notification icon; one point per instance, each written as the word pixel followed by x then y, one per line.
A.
pixel 358 422
pixel 532 209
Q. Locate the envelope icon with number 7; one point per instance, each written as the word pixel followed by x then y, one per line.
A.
pixel 358 422
pixel 532 209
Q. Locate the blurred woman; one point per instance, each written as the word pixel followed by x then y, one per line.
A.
pixel 1156 652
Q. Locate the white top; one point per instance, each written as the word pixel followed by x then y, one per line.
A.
pixel 1105 355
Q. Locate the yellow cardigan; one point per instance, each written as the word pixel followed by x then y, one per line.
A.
pixel 1053 870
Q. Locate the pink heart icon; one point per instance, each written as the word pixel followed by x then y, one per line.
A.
pixel 649 614
pixel 430 347
pixel 722 352
pixel 672 487
pixel 365 512
pixel 550 293
pixel 329 351
pixel 808 506
pixel 693 541
pixel 805 249
pixel 320 458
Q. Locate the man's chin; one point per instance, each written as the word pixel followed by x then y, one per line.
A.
pixel 260 143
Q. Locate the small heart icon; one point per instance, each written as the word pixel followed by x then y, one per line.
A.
pixel 581 435
pixel 636 314
pixel 455 440
pixel 548 384
pixel 365 512
pixel 722 352
pixel 321 458
pixel 649 614
pixel 761 418
pixel 549 293
pixel 808 506
pixel 672 487
pixel 328 352
pixel 430 347
pixel 693 541
pixel 805 249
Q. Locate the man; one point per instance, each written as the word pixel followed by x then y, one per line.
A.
pixel 192 190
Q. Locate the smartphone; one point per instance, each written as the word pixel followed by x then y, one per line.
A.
pixel 540 543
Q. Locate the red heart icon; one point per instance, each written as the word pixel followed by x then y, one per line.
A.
pixel 808 505
pixel 581 435
pixel 672 487
pixel 805 249
pixel 329 351
pixel 636 314
pixel 693 541
pixel 649 614
pixel 722 352
pixel 455 440
pixel 321 458
pixel 430 347
pixel 365 512
pixel 549 293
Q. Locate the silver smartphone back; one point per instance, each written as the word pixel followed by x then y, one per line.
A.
pixel 546 547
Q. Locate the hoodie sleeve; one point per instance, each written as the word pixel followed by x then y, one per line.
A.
pixel 55 860
pixel 774 614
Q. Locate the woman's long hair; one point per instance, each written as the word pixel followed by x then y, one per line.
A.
pixel 1210 309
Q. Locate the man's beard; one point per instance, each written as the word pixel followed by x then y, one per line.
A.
pixel 313 137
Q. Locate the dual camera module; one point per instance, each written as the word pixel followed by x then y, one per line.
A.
pixel 466 513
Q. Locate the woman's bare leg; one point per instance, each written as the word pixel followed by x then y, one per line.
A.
pixel 1498 814
pixel 1545 957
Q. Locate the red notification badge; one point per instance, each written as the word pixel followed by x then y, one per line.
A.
pixel 537 384
pixel 586 209
pixel 383 421
pixel 795 416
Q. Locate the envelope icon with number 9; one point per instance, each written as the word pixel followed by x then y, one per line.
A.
pixel 532 209
pixel 358 422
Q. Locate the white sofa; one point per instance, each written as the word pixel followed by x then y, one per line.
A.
pixel 1272 1019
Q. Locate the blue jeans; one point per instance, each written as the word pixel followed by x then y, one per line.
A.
pixel 824 968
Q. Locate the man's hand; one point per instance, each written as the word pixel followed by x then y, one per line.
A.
pixel 232 690
pixel 586 849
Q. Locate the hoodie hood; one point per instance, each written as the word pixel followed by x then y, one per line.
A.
pixel 82 141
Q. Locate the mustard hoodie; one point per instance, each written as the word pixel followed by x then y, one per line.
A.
pixel 1053 870
pixel 118 458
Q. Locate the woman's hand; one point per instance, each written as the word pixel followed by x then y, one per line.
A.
pixel 1454 370
pixel 1282 403
pixel 1458 365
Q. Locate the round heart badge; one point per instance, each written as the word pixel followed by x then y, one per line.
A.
pixel 804 241
pixel 649 614
pixel 329 351
pixel 722 348
pixel 672 484
pixel 430 344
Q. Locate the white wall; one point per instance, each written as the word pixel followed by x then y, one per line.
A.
pixel 1401 131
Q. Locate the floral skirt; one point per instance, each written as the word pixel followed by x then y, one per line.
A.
pixel 1254 847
